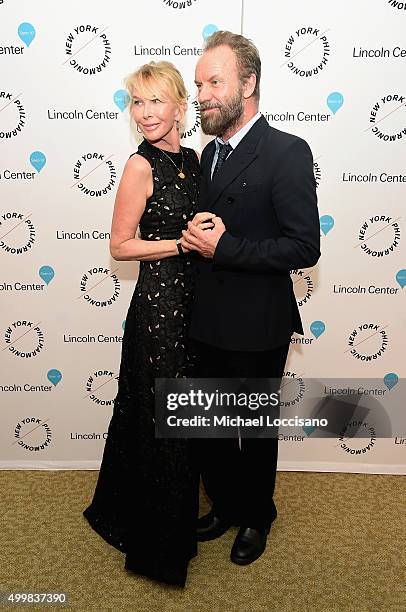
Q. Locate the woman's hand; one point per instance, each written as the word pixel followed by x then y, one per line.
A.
pixel 200 220
pixel 185 249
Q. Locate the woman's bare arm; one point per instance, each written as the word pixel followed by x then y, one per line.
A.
pixel 134 189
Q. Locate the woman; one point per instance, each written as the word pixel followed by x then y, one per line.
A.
pixel 146 498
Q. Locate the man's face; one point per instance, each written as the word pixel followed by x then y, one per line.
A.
pixel 220 92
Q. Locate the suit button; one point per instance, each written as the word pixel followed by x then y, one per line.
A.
pixel 230 200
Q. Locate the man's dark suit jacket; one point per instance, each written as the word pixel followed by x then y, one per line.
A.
pixel 265 194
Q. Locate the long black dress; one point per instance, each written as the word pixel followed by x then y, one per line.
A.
pixel 146 498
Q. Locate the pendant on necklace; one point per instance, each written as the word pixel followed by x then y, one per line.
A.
pixel 181 175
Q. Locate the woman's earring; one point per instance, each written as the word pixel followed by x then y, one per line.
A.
pixel 138 129
pixel 177 125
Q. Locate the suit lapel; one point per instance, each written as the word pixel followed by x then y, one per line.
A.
pixel 206 162
pixel 243 155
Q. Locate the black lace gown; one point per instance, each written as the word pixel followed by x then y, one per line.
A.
pixel 146 498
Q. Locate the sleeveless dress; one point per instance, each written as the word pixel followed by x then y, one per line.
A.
pixel 145 502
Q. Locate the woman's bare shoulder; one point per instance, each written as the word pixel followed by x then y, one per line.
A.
pixel 138 163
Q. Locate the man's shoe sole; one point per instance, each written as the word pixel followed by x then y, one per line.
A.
pixel 238 561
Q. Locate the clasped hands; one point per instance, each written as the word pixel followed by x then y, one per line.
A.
pixel 202 236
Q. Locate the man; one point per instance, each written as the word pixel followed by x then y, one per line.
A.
pixel 259 191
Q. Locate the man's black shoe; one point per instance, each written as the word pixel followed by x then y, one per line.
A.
pixel 249 545
pixel 210 527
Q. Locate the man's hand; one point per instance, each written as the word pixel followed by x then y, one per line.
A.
pixel 203 241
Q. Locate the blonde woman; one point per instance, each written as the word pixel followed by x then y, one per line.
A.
pixel 146 498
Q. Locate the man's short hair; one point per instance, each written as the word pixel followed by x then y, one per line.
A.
pixel 248 60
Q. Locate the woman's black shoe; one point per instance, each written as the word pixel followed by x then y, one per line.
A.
pixel 210 527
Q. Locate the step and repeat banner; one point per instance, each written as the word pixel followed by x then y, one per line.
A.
pixel 334 74
pixel 331 74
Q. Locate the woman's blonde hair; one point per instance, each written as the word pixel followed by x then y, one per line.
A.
pixel 158 79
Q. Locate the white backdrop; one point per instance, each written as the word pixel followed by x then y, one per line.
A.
pixel 332 74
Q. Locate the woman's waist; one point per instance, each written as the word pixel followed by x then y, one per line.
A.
pixel 179 261
pixel 152 236
pixel 177 271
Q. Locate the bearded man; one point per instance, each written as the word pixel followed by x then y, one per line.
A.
pixel 259 191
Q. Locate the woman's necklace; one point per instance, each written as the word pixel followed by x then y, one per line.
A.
pixel 180 172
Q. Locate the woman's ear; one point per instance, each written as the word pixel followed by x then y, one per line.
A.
pixel 180 112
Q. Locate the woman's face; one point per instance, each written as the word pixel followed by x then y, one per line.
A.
pixel 156 116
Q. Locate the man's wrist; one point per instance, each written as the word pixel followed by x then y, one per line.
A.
pixel 217 251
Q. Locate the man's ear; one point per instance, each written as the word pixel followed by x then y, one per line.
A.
pixel 249 86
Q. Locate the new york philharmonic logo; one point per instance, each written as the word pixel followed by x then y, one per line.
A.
pixel 307 51
pixel 367 342
pixel 17 233
pixel 302 286
pixel 396 4
pixel 32 434
pixel 179 4
pixel 99 388
pixel 292 389
pixel 94 174
pixel 379 236
pixel 387 118
pixel 24 339
pixel 192 119
pixel 88 49
pixel 100 287
pixel 354 444
pixel 317 173
pixel 13 117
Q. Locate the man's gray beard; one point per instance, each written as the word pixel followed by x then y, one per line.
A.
pixel 227 117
